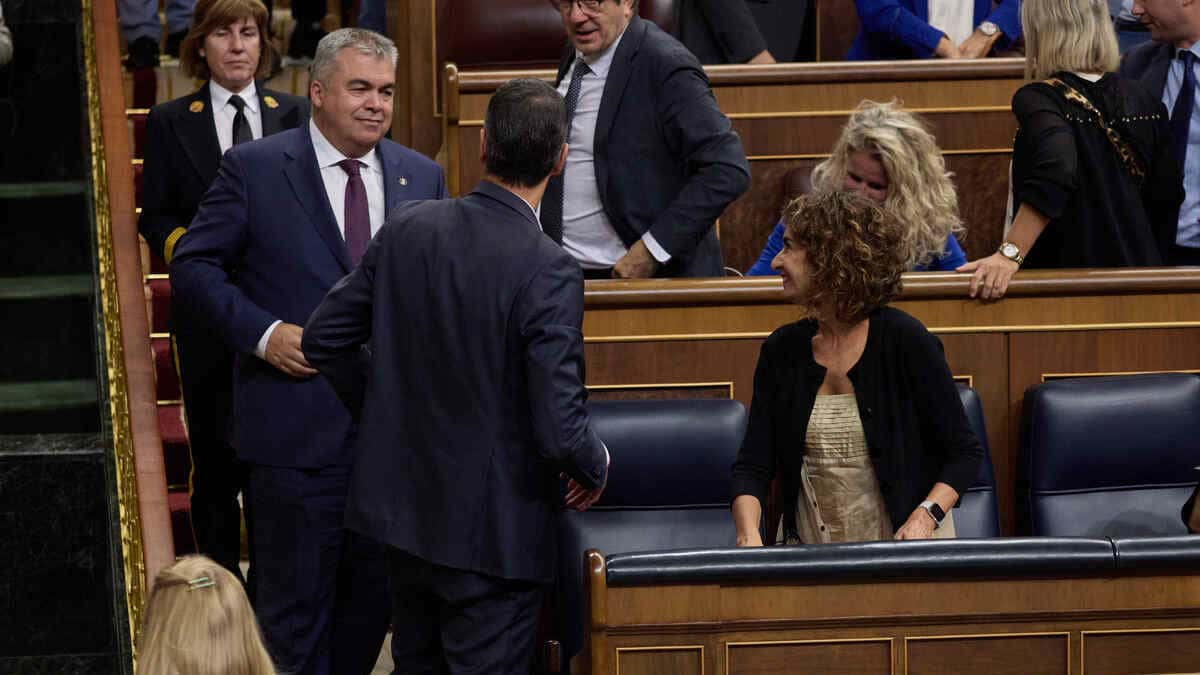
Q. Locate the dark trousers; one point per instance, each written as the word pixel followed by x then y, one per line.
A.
pixel 321 591
pixel 205 368
pixel 446 620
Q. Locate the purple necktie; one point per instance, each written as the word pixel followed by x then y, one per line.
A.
pixel 358 217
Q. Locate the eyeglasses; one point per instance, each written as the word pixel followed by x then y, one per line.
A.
pixel 588 6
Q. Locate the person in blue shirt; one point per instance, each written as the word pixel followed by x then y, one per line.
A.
pixel 922 29
pixel 888 155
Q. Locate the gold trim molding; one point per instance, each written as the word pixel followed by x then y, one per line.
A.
pixel 1083 636
pixel 663 385
pixel 891 643
pixel 114 353
pixel 659 648
pixel 991 636
pixel 796 114
pixel 1063 376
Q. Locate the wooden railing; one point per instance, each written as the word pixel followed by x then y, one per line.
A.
pixel 133 369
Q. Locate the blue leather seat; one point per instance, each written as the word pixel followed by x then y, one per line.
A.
pixel 1109 456
pixel 669 489
pixel 976 514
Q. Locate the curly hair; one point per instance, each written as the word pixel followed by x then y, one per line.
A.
pixel 920 191
pixel 853 253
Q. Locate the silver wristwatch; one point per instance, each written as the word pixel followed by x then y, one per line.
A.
pixel 1009 250
pixel 988 28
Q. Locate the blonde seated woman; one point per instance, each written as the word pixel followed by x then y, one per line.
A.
pixel 854 408
pixel 198 621
pixel 888 155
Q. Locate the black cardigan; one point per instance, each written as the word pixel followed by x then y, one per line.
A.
pixel 914 421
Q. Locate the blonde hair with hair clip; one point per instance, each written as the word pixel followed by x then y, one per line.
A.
pixel 1068 35
pixel 198 621
pixel 920 192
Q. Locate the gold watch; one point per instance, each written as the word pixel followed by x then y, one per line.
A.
pixel 1009 250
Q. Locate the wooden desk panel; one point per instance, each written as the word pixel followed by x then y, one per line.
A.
pixel 667 336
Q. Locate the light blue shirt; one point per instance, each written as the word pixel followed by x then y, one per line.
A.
pixel 1189 211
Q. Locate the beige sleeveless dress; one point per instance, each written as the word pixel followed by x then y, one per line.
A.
pixel 839 499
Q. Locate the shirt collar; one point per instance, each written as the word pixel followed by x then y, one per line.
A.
pixel 600 63
pixel 328 156
pixel 1194 49
pixel 220 96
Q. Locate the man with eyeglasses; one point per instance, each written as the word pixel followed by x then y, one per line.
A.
pixel 653 162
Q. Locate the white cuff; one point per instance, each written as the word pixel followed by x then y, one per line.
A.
pixel 260 349
pixel 660 254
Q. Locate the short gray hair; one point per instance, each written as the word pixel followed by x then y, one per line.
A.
pixel 365 41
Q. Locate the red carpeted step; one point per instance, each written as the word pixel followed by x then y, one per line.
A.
pixel 180 504
pixel 137 184
pixel 138 127
pixel 177 460
pixel 160 304
pixel 164 370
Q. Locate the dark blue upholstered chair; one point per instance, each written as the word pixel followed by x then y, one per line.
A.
pixel 668 489
pixel 976 514
pixel 1108 456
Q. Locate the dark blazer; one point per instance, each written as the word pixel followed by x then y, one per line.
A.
pixel 264 246
pixel 474 400
pixel 667 159
pixel 1148 64
pixel 900 29
pixel 182 156
pixel 916 429
pixel 718 31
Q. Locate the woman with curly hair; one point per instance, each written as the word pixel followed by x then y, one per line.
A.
pixel 198 621
pixel 854 408
pixel 888 154
pixel 1095 179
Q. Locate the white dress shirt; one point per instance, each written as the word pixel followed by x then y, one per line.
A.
pixel 335 179
pixel 587 233
pixel 955 18
pixel 224 112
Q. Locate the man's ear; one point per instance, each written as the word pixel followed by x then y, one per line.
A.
pixel 483 145
pixel 316 93
pixel 562 161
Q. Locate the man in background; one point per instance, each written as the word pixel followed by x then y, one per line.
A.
pixel 653 161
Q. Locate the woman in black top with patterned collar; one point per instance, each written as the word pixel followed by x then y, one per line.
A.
pixel 854 407
pixel 1095 182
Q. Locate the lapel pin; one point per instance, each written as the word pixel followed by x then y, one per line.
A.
pixel 196 106
pixel 271 102
pixel 403 181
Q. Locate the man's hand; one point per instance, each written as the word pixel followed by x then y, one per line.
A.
pixel 977 46
pixel 581 498
pixel 637 263
pixel 919 525
pixel 283 351
pixel 762 58
pixel 947 49
pixel 990 276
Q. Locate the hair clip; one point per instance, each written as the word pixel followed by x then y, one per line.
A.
pixel 200 582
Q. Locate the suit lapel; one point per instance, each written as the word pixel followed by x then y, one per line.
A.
pixel 304 176
pixel 272 114
pixel 610 100
pixel 618 77
pixel 397 184
pixel 198 134
pixel 1155 78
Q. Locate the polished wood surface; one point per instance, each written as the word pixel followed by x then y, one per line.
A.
pixel 669 335
pixel 1067 624
pixel 158 549
pixel 788 117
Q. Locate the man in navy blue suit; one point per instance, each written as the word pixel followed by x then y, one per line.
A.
pixel 286 217
pixel 474 404
pixel 653 160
